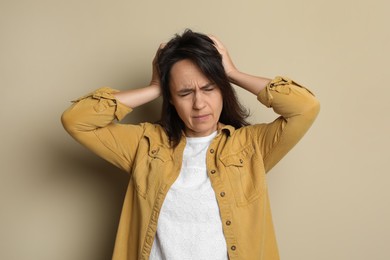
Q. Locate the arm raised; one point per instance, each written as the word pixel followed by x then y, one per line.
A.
pixel 91 120
pixel 137 97
pixel 253 84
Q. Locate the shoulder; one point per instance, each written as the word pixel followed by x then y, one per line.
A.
pixel 238 138
pixel 245 133
pixel 155 133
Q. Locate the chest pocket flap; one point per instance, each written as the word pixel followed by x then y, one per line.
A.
pixel 151 166
pixel 240 174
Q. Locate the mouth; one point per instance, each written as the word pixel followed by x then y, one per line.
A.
pixel 201 117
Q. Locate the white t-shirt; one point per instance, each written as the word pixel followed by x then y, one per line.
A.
pixel 189 225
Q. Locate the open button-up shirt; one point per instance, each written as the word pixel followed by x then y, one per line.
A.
pixel 237 162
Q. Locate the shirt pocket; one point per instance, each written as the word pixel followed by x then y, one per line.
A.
pixel 149 170
pixel 240 175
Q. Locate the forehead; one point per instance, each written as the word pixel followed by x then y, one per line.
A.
pixel 185 73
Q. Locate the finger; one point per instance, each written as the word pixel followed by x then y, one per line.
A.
pixel 162 45
pixel 217 43
pixel 213 38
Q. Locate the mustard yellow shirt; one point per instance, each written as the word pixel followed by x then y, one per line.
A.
pixel 237 161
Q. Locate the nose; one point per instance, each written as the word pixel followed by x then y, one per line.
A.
pixel 198 102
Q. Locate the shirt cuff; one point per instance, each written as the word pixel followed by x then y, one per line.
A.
pixel 279 84
pixel 106 99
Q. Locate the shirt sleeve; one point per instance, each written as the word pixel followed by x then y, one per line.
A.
pixel 91 120
pixel 297 107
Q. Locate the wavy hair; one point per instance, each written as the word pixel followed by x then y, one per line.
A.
pixel 200 49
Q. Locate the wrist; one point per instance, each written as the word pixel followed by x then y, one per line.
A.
pixel 155 88
pixel 233 75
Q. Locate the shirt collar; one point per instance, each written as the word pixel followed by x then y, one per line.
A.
pixel 225 128
pixel 220 128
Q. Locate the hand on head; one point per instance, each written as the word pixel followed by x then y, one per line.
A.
pixel 156 74
pixel 226 60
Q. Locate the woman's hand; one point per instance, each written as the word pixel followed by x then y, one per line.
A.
pixel 251 83
pixel 137 97
pixel 155 81
pixel 226 60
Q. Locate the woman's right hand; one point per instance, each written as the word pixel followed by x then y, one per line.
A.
pixel 155 81
pixel 137 97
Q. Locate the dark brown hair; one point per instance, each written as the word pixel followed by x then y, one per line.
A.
pixel 200 49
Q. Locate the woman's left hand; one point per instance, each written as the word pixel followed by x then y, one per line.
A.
pixel 226 60
pixel 253 84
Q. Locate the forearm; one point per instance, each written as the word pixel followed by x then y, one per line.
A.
pixel 90 121
pixel 253 84
pixel 137 97
pixel 100 108
pixel 298 108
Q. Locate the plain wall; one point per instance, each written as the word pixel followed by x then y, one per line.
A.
pixel 329 195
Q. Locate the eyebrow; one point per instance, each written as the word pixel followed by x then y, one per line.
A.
pixel 189 89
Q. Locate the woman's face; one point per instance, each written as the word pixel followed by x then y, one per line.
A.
pixel 197 100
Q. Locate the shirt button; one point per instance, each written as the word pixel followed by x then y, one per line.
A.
pixel 228 222
pixel 241 161
pixel 222 194
pixel 233 248
pixel 211 150
pixel 212 171
pixel 154 151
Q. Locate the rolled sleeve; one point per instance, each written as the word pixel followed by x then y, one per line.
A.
pixel 91 121
pixel 297 107
pixel 106 99
pixel 287 97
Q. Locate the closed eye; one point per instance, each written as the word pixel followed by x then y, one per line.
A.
pixel 209 87
pixel 187 91
pixel 184 93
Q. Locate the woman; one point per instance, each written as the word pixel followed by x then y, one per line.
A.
pixel 197 188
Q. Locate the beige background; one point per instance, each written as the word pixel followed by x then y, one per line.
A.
pixel 330 195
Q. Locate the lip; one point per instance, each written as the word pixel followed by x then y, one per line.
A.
pixel 201 117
